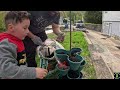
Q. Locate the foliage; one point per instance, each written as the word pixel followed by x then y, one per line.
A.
pixel 2 25
pixel 75 15
pixel 93 17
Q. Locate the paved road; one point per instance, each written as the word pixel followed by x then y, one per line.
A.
pixel 105 54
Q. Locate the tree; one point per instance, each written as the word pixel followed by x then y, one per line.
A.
pixel 93 17
pixel 75 15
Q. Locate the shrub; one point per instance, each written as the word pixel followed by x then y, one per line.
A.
pixel 93 17
pixel 2 25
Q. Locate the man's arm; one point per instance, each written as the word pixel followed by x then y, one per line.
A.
pixel 35 39
pixel 31 35
pixel 56 28
pixel 57 31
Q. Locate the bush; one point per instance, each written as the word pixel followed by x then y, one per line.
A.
pixel 2 25
pixel 93 17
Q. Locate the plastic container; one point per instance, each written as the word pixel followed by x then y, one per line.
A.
pixel 74 75
pixel 62 72
pixel 61 52
pixel 75 51
pixel 81 65
pixel 75 64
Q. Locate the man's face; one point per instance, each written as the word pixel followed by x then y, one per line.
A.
pixel 21 29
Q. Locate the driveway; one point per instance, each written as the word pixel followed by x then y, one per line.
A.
pixel 105 54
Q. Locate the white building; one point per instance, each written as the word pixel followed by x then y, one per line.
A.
pixel 111 23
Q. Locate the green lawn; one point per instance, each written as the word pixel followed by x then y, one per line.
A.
pixel 78 41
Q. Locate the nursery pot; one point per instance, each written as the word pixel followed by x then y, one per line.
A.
pixel 62 58
pixel 75 51
pixel 52 74
pixel 62 72
pixel 74 74
pixel 75 62
pixel 61 52
pixel 81 65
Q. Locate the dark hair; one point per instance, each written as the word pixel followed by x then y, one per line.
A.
pixel 15 17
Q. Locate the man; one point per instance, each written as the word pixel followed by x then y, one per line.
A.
pixel 38 22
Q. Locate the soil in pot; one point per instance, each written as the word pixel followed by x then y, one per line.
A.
pixel 61 53
pixel 63 65
pixel 74 59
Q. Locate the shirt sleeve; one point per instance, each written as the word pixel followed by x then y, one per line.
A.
pixel 8 63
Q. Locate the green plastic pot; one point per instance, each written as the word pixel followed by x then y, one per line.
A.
pixel 75 65
pixel 61 52
pixel 62 58
pixel 62 72
pixel 75 51
pixel 54 74
pixel 81 65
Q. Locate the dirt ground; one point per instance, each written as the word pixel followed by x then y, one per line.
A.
pixel 105 54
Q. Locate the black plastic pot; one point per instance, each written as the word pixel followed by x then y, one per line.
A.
pixel 74 74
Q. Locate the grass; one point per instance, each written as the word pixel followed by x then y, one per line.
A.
pixel 78 41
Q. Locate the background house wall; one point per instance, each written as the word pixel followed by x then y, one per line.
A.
pixel 111 23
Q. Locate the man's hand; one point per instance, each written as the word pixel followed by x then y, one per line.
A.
pixel 37 40
pixel 60 37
